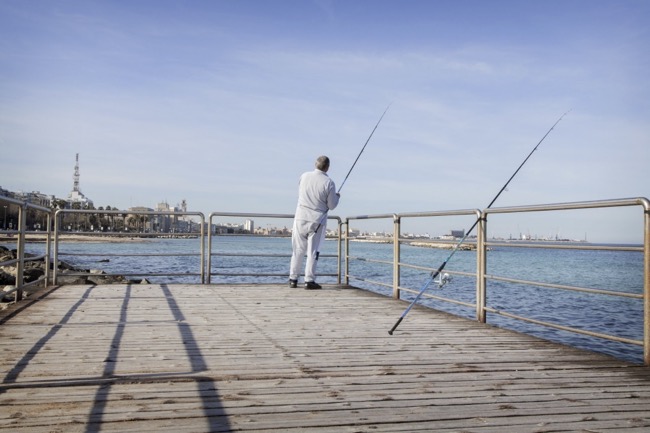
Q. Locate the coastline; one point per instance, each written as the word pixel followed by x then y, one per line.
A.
pixel 419 243
pixel 41 238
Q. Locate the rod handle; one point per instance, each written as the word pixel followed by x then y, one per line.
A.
pixel 395 325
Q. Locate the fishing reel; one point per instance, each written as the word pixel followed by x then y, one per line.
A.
pixel 443 279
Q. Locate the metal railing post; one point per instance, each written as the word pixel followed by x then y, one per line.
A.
pixel 347 251
pixel 202 247
pixel 646 284
pixel 48 248
pixel 20 251
pixel 55 255
pixel 481 267
pixel 338 253
pixel 208 264
pixel 397 230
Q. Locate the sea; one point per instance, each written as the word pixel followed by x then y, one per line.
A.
pixel 617 271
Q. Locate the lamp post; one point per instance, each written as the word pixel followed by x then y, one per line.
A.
pixel 5 223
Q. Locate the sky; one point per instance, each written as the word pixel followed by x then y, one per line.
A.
pixel 225 104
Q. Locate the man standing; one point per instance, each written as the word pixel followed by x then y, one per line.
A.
pixel 316 196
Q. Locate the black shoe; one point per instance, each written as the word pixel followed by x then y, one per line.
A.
pixel 312 285
pixel 293 283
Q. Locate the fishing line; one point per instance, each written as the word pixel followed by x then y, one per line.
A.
pixel 442 266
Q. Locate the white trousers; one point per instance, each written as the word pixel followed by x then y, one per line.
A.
pixel 305 238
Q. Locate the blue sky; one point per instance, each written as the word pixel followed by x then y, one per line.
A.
pixel 226 103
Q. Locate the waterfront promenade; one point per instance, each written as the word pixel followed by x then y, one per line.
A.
pixel 266 358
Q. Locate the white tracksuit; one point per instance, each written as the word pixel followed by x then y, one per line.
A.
pixel 316 196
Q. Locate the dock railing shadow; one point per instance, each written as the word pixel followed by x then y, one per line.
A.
pixel 206 386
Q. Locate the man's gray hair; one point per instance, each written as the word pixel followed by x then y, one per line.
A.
pixel 322 163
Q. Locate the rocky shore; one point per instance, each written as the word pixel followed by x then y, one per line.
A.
pixel 67 274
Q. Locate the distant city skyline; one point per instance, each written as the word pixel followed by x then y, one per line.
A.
pixel 247 224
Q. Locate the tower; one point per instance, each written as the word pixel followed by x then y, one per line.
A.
pixel 75 177
pixel 76 196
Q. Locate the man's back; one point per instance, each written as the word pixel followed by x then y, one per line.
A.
pixel 316 195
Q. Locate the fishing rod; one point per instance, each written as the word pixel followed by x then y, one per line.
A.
pixel 362 149
pixel 442 266
pixel 320 223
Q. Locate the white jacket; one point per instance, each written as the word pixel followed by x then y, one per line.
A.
pixel 316 196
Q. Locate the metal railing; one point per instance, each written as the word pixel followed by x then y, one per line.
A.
pixel 395 264
pixel 642 202
pixel 145 230
pixel 221 253
pixel 19 234
pixel 482 277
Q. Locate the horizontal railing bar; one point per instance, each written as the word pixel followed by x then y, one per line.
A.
pixel 572 206
pixel 130 254
pixel 565 328
pixel 25 285
pixel 122 274
pixel 459 212
pixel 225 274
pixel 264 255
pixel 27 204
pixel 133 234
pixel 439 298
pixel 425 268
pixel 251 215
pixel 565 287
pixel 25 260
pixel 363 259
pixel 378 283
pixel 127 212
pixel 370 217
pixel 9 262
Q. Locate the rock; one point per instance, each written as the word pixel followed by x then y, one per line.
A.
pixel 32 274
pixel 6 278
pixel 138 281
pixel 7 298
pixel 71 279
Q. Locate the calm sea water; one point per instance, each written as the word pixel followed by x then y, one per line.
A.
pixel 619 271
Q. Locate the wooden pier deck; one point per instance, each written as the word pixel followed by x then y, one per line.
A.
pixel 266 358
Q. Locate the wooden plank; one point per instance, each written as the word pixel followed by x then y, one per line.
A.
pixel 267 358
